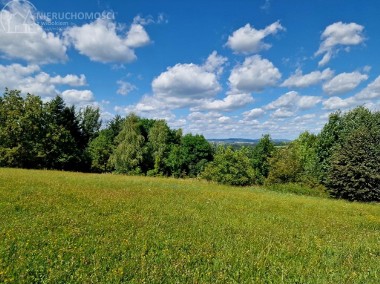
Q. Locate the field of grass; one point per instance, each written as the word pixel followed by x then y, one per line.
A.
pixel 59 227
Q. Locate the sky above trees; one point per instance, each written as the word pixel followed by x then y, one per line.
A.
pixel 219 68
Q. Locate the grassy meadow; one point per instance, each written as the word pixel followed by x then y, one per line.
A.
pixel 60 227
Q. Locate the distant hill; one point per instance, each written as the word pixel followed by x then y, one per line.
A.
pixel 244 141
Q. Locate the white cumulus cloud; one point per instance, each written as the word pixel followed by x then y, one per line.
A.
pixel 292 101
pixel 344 82
pixel 282 113
pixel 372 91
pixel 249 40
pixel 184 84
pixel 125 88
pixel 77 97
pixel 230 102
pixel 334 103
pixel 21 37
pixel 209 123
pixel 102 41
pixel 369 97
pixel 254 75
pixel 300 80
pixel 215 63
pixel 254 113
pixel 137 36
pixel 307 102
pixel 338 35
pixel 30 79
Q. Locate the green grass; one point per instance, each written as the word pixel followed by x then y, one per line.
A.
pixel 299 189
pixel 58 227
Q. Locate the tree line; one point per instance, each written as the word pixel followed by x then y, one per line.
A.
pixel 52 135
pixel 344 157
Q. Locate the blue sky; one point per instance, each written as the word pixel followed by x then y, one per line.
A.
pixel 221 68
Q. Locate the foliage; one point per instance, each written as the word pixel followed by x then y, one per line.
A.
pixel 49 135
pixel 100 150
pixel 232 167
pixel 21 130
pixel 285 166
pixel 195 153
pixel 336 132
pixel 348 154
pixel 189 156
pixel 296 162
pixel 306 147
pixel 128 155
pixel 52 135
pixel 159 144
pixel 354 173
pixel 63 142
pixel 89 122
pixel 261 155
pixel 175 161
pixel 327 139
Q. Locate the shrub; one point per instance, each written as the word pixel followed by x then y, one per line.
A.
pixel 296 162
pixel 231 167
pixel 285 166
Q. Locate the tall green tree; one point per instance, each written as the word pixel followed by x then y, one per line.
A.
pixel 89 122
pixel 21 130
pixel 100 150
pixel 306 147
pixel 335 133
pixel 128 154
pixel 351 167
pixel 11 113
pixel 261 155
pixel 102 146
pixel 34 132
pixel 175 161
pixel 115 126
pixel 158 136
pixel 196 152
pixel 354 173
pixel 62 142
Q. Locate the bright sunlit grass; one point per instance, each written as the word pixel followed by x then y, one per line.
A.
pixel 59 227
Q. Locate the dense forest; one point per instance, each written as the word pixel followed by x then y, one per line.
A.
pixel 344 157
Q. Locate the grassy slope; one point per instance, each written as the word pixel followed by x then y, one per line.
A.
pixel 80 228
